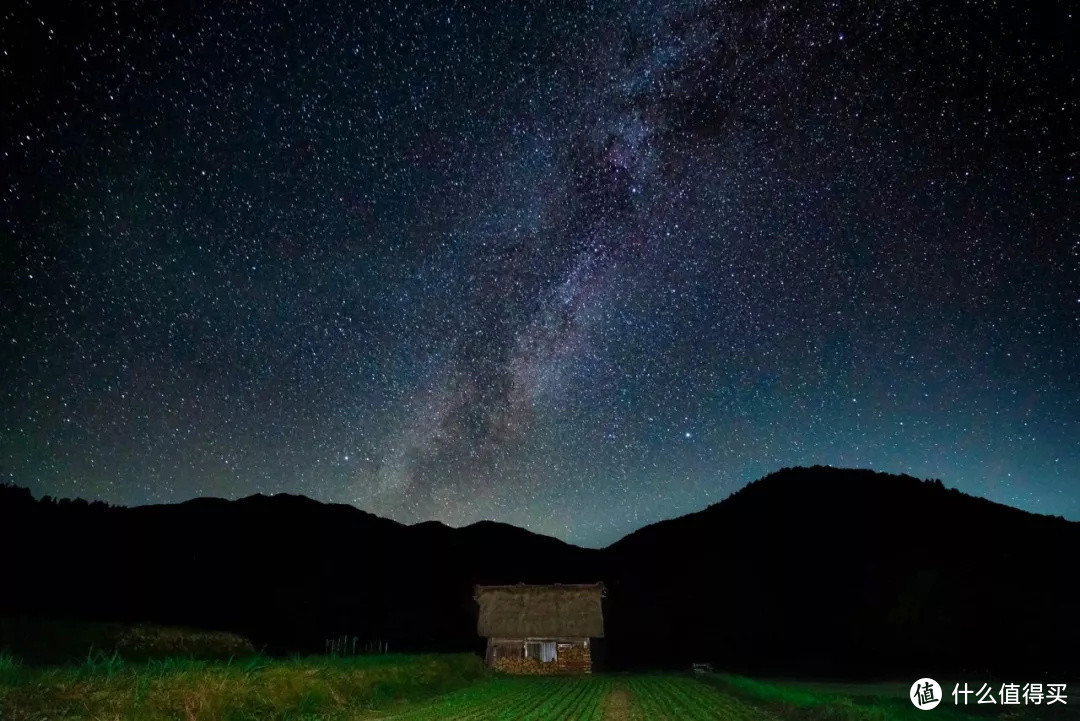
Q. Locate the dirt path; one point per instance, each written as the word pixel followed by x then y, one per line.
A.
pixel 618 705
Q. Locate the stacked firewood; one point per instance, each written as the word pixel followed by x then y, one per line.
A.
pixel 523 666
pixel 570 660
pixel 575 660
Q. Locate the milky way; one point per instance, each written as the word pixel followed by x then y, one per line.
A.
pixel 573 269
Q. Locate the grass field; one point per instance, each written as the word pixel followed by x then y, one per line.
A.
pixel 671 697
pixel 883 701
pixel 418 688
pixel 596 698
pixel 256 688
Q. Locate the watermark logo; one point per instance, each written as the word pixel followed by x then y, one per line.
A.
pixel 1013 694
pixel 925 694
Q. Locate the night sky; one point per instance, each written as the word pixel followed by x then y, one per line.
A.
pixel 576 267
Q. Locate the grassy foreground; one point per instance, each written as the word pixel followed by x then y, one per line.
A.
pixel 675 697
pixel 871 702
pixel 585 698
pixel 106 687
pixel 429 687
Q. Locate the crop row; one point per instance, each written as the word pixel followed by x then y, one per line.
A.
pixel 677 698
pixel 518 700
pixel 651 698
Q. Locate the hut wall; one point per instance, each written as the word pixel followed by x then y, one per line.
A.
pixel 572 656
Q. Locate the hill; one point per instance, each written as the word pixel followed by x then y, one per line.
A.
pixel 285 571
pixel 848 571
pixel 817 571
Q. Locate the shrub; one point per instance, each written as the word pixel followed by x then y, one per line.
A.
pixel 147 641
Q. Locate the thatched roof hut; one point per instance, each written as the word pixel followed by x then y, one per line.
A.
pixel 556 611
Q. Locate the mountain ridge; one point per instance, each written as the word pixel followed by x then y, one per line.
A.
pixel 808 570
pixel 787 474
pixel 778 476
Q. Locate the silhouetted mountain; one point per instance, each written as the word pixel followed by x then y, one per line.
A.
pixel 847 571
pixel 813 571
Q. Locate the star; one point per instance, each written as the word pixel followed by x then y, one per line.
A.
pixel 517 254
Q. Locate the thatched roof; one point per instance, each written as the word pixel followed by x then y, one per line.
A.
pixel 540 611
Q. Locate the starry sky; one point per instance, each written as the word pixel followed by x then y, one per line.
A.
pixel 572 266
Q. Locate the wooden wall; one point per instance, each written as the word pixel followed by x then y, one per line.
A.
pixel 574 658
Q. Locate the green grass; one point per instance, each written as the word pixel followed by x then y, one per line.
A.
pixel 585 698
pixel 105 686
pixel 674 697
pixel 680 697
pixel 523 698
pixel 9 665
pixel 429 687
pixel 868 702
